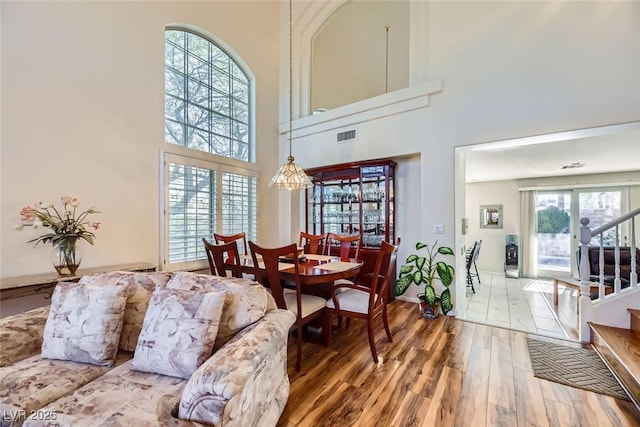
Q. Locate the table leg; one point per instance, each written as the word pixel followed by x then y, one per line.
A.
pixel 555 292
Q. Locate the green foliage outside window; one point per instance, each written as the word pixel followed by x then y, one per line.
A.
pixel 553 220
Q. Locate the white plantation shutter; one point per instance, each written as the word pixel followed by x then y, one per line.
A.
pixel 239 204
pixel 191 211
pixel 202 198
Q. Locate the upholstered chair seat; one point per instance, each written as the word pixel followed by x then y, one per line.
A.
pixel 354 300
pixel 310 303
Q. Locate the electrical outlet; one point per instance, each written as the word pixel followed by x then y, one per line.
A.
pixel 438 229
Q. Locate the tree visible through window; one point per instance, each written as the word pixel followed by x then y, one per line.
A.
pixel 206 97
pixel 207 109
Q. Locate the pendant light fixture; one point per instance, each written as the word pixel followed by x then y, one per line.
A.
pixel 290 176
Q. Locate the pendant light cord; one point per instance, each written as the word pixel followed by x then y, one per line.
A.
pixel 386 61
pixel 290 75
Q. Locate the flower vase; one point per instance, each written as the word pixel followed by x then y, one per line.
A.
pixel 66 257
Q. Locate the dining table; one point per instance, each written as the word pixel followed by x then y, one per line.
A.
pixel 316 272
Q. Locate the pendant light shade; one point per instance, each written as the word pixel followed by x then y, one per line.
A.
pixel 290 176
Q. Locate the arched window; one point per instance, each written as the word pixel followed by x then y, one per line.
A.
pixel 206 97
pixel 208 108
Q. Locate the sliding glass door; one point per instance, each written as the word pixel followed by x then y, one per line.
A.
pixel 556 235
pixel 553 232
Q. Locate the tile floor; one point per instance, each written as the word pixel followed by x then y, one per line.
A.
pixel 512 303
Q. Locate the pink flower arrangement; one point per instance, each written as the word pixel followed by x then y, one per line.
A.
pixel 63 225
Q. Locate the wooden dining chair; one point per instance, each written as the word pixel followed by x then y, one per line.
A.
pixel 344 243
pixel 313 243
pixel 226 238
pixel 223 258
pixel 305 307
pixel 366 302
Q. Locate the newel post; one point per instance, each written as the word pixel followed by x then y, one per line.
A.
pixel 584 315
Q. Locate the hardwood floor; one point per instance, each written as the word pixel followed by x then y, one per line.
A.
pixel 445 372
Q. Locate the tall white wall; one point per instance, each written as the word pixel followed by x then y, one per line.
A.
pixel 83 115
pixel 509 69
pixel 351 62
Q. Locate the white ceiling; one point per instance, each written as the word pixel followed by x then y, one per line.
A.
pixel 543 157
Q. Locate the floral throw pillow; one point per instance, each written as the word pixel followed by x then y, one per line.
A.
pixel 84 323
pixel 178 332
pixel 141 287
pixel 246 302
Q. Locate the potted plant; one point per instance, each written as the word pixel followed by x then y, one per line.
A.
pixel 426 269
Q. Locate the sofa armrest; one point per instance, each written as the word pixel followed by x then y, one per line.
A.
pixel 245 379
pixel 21 335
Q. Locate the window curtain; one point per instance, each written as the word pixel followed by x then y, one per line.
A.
pixel 528 252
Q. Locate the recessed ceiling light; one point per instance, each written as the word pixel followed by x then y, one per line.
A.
pixel 573 165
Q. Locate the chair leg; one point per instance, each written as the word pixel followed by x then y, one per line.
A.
pixel 385 320
pixel 372 339
pixel 299 350
pixel 470 280
pixel 477 275
pixel 327 327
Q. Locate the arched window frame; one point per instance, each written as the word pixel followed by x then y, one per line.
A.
pixel 222 190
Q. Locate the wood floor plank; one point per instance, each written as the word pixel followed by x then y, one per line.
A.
pixel 529 401
pixel 560 414
pixel 620 413
pixel 501 386
pixel 589 410
pixel 412 411
pixel 499 416
pixel 443 407
pixel 442 372
pixel 473 401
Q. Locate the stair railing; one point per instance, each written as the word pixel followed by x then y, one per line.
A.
pixel 586 234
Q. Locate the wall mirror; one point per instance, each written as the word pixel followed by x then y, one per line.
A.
pixel 491 216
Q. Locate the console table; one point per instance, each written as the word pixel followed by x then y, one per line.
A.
pixel 21 286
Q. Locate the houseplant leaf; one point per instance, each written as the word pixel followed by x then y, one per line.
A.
pixel 417 277
pixel 430 295
pixel 445 274
pixel 402 284
pixel 420 246
pixel 405 269
pixel 445 250
pixel 420 262
pixel 445 301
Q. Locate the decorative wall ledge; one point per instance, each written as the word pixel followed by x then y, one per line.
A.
pixel 389 104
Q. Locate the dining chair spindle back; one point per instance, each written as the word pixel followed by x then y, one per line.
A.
pixel 344 243
pixel 312 243
pixel 366 302
pixel 226 238
pixel 219 264
pixel 305 307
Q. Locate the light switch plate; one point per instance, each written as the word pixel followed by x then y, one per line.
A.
pixel 438 229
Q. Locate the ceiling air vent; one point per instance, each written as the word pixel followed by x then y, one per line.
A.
pixel 346 136
pixel 574 165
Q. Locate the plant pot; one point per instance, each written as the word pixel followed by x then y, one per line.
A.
pixel 431 311
pixel 427 311
pixel 66 257
pixel 422 304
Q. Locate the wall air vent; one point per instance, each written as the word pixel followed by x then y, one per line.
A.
pixel 346 136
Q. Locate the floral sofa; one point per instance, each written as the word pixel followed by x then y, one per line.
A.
pixel 138 349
